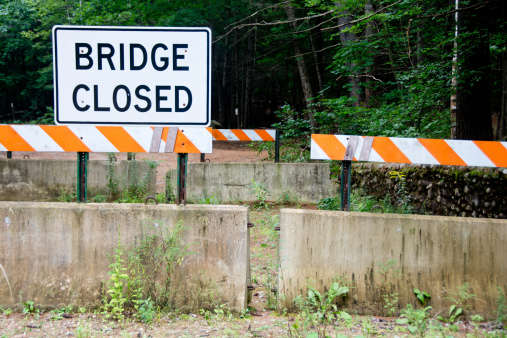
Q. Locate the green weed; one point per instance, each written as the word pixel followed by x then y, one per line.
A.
pixel 329 203
pixel 415 319
pixel 142 282
pixel 501 307
pixel 5 311
pixel 30 308
pixel 422 296
pixel 114 303
pixel 57 314
pixel 322 307
pixel 261 195
pixel 391 303
pixel 66 196
pixel 209 200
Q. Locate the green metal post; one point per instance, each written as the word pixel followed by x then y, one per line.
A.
pixel 345 180
pixel 182 178
pixel 277 146
pixel 82 176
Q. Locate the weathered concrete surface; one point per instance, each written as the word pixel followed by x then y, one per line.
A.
pixel 230 182
pixel 383 253
pixel 58 253
pixel 47 180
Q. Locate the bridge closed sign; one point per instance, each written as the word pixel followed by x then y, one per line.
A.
pixel 132 75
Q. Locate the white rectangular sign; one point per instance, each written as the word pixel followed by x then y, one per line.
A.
pixel 132 75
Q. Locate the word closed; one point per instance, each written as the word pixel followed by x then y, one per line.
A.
pixel 132 75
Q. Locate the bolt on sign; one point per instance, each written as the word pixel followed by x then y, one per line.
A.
pixel 132 75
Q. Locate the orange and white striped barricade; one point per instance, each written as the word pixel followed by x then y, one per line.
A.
pixel 261 135
pixel 84 139
pixel 349 148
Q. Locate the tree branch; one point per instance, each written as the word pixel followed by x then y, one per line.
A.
pixel 278 22
pixel 363 18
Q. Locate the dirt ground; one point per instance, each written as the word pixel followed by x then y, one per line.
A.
pixel 222 152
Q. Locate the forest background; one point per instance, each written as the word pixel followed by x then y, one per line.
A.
pixel 414 68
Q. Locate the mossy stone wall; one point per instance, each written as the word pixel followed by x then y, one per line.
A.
pixel 438 190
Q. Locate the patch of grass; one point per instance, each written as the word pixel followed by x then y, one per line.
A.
pixel 501 307
pixel 29 307
pixel 365 203
pixel 261 195
pixel 416 320
pixel 209 200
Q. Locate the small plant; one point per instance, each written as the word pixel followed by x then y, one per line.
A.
pixel 261 195
pixel 329 203
pixel 323 306
pixel 6 312
pixel 29 307
pixel 66 196
pixel 501 307
pixel 57 314
pixel 391 303
pixel 459 304
pixel 415 319
pixel 115 300
pixel 422 296
pixel 146 311
pixel 402 196
pixel 368 328
pixel 209 200
pixel 452 316
pixel 99 199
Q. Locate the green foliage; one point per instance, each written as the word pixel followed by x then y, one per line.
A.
pixel 5 311
pixel 114 301
pixel 57 314
pixel 454 313
pixel 145 311
pixel 317 310
pixel 66 196
pixel 292 124
pixel 322 307
pixel 460 303
pixel 422 296
pixel 209 200
pixel 415 319
pixel 261 195
pixel 329 203
pixel 142 282
pixel 501 306
pixel 30 308
pixel 365 203
pixel 391 302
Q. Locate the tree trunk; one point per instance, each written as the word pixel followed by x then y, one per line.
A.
pixel 303 74
pixel 453 72
pixel 368 10
pixel 346 38
pixel 473 115
pixel 316 61
pixel 502 119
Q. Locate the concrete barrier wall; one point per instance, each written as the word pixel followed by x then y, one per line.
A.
pixel 379 254
pixel 47 180
pixel 58 253
pixel 231 182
